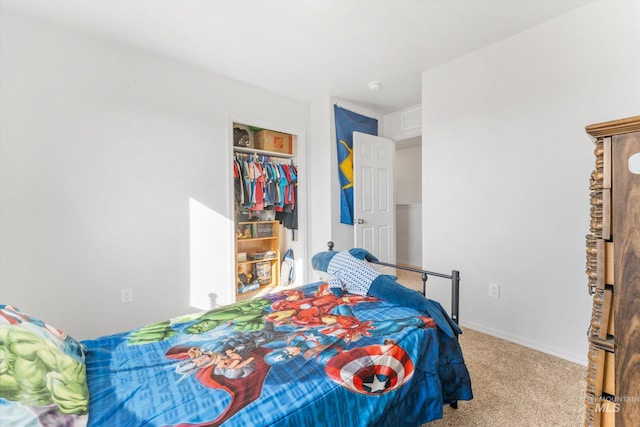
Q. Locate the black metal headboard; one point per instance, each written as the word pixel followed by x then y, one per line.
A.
pixel 454 277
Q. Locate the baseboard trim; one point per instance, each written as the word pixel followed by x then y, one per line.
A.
pixel 534 345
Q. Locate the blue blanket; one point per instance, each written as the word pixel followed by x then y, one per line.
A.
pixel 298 357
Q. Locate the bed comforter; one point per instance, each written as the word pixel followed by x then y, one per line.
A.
pixel 299 357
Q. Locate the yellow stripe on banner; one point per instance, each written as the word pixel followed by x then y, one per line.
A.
pixel 346 166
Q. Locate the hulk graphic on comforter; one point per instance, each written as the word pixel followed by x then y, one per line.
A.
pixel 244 315
pixel 36 373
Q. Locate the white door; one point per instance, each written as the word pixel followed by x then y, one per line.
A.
pixel 373 195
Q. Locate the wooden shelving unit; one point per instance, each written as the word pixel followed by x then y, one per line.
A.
pixel 257 255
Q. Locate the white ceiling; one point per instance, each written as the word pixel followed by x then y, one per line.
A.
pixel 307 49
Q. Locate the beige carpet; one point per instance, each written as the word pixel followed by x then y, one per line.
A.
pixel 516 386
pixel 513 386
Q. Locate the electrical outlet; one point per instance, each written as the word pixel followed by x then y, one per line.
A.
pixel 126 295
pixel 494 290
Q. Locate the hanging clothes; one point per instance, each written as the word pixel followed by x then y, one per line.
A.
pixel 288 214
pixel 237 183
pixel 266 183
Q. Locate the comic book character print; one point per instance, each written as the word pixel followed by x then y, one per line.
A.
pixel 372 369
pixel 244 341
pixel 294 308
pixel 244 316
pixel 234 363
pixel 368 369
pixel 38 369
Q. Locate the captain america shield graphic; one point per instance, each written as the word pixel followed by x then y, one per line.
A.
pixel 372 369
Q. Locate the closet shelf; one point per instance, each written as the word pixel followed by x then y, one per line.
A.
pixel 249 150
pixel 253 261
pixel 249 239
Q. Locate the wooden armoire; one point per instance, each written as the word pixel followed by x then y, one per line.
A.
pixel 613 269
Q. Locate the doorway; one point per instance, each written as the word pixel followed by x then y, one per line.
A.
pixel 267 227
pixel 408 193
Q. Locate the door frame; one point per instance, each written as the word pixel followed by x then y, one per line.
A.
pixel 302 204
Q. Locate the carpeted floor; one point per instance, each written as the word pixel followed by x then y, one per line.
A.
pixel 513 385
pixel 516 386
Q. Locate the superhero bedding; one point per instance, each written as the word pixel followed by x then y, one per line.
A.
pixel 299 357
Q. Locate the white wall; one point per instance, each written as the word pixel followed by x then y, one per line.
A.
pixel 409 234
pixel 507 165
pixel 408 173
pixel 408 188
pixel 113 174
pixel 321 166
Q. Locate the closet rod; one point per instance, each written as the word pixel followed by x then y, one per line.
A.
pixel 262 152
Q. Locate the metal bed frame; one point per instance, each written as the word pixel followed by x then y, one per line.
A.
pixel 454 277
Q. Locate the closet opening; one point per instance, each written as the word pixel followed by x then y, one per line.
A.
pixel 269 242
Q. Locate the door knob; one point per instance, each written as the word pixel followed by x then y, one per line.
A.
pixel 360 221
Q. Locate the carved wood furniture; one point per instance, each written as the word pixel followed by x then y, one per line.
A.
pixel 613 270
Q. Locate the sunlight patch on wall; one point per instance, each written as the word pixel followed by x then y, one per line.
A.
pixel 208 257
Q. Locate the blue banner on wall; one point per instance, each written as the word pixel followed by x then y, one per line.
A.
pixel 348 122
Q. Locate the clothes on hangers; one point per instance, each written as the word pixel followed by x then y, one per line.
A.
pixel 265 183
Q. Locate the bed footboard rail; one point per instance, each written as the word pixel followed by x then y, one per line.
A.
pixel 454 277
pixel 455 284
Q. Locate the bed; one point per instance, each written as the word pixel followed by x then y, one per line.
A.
pixel 297 357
